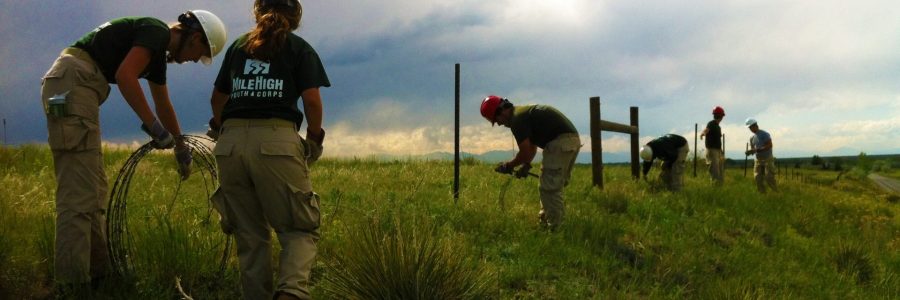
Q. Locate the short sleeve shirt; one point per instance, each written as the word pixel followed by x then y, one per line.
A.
pixel 539 123
pixel 760 139
pixel 666 147
pixel 109 43
pixel 260 90
pixel 714 135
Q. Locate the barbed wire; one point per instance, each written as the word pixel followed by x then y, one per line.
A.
pixel 120 241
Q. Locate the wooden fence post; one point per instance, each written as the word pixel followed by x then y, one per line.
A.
pixel 635 144
pixel 598 125
pixel 596 144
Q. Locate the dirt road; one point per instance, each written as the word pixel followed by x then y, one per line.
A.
pixel 888 184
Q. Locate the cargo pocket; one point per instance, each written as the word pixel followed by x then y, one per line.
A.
pixel 305 209
pixel 222 149
pixel 221 206
pixel 53 83
pixel 73 133
pixel 552 179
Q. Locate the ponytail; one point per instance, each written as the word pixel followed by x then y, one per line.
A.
pixel 275 20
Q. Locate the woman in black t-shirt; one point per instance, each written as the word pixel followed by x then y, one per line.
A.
pixel 263 162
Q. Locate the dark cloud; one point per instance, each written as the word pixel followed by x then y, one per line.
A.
pixel 391 62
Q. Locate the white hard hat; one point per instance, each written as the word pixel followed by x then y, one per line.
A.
pixel 750 122
pixel 214 30
pixel 646 153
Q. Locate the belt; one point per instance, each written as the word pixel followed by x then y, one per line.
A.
pixel 80 54
pixel 271 122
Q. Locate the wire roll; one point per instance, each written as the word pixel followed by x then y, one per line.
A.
pixel 120 242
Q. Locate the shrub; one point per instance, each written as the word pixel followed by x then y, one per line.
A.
pixel 854 262
pixel 392 261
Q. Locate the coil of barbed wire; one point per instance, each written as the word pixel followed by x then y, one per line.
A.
pixel 121 243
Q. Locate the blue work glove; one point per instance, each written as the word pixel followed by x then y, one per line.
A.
pixel 162 139
pixel 183 157
pixel 503 168
pixel 523 171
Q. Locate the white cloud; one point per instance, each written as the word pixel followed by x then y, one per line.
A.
pixel 818 75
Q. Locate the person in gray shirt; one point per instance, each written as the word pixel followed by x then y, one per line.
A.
pixel 764 167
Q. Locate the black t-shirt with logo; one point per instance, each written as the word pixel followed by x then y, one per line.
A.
pixel 261 90
pixel 109 43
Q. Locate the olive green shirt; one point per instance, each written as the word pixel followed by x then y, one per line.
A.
pixel 539 123
pixel 109 43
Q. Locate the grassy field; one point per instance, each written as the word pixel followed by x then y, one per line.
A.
pixel 822 240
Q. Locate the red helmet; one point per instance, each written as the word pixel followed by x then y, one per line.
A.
pixel 489 107
pixel 718 111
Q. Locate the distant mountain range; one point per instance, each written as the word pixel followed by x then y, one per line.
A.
pixel 608 158
pixel 500 156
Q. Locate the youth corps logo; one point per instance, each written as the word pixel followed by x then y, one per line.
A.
pixel 256 82
pixel 255 67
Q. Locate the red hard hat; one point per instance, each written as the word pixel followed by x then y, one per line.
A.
pixel 719 111
pixel 489 107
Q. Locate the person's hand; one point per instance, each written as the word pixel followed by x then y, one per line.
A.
pixel 313 145
pixel 751 151
pixel 523 171
pixel 213 131
pixel 184 158
pixel 503 168
pixel 162 139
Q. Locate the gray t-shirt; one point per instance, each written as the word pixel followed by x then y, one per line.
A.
pixel 760 139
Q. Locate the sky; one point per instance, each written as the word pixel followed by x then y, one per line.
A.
pixel 822 77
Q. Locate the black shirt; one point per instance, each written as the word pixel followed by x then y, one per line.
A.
pixel 666 147
pixel 713 135
pixel 262 90
pixel 109 43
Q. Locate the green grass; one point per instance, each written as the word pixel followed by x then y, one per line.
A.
pixel 834 239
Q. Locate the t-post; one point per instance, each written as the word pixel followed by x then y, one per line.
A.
pixel 456 140
pixel 695 150
pixel 745 159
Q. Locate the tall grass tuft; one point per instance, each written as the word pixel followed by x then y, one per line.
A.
pixel 402 261
pixel 854 262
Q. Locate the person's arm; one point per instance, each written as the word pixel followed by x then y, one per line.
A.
pixel 217 101
pixel 312 107
pixel 127 79
pixel 164 109
pixel 705 131
pixel 752 149
pixel 526 154
pixel 767 146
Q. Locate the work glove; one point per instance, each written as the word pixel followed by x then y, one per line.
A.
pixel 162 139
pixel 213 131
pixel 503 168
pixel 748 152
pixel 523 171
pixel 313 146
pixel 183 157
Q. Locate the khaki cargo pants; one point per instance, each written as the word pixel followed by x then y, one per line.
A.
pixel 716 162
pixel 264 186
pixel 74 139
pixel 673 175
pixel 764 173
pixel 556 168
